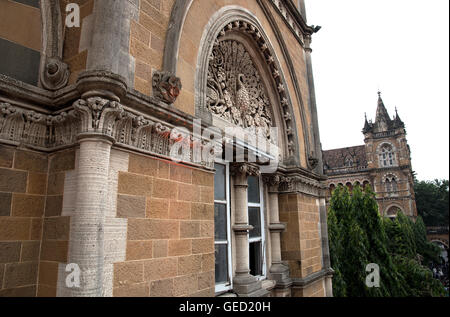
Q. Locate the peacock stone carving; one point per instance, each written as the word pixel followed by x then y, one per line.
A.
pixel 235 91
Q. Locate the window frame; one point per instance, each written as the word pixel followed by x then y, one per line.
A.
pixel 224 287
pixel 261 239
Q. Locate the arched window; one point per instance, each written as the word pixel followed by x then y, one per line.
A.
pixel 394 185
pixel 388 185
pixel 392 212
pixel 365 184
pixel 387 156
pixel 332 188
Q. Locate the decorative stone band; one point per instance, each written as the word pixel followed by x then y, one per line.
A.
pixel 245 169
pixel 242 229
pixel 277 227
pixel 299 184
pixel 98 115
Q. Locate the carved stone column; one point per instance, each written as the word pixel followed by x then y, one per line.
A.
pixel 278 271
pixel 245 285
pixel 98 112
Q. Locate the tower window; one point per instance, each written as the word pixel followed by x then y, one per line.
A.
pixel 387 157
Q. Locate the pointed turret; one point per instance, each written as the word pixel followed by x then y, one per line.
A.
pixel 382 114
pixel 397 121
pixel 382 122
pixel 367 126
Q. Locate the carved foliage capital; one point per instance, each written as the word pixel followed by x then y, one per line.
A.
pixel 98 114
pixel 244 169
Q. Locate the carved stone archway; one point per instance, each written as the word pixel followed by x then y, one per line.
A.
pixel 236 28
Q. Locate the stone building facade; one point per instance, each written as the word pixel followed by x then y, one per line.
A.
pixel 116 166
pixel 384 163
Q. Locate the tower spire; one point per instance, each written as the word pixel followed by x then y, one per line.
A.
pixel 382 114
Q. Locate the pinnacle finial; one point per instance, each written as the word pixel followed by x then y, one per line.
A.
pixel 379 93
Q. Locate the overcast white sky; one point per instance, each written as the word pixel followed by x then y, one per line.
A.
pixel 398 46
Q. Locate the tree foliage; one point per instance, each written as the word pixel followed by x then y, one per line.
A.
pixel 432 201
pixel 359 236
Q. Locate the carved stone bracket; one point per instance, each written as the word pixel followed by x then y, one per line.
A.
pixel 166 87
pixel 55 74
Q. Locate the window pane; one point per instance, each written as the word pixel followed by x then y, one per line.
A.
pixel 253 190
pixel 256 259
pixel 220 222
pixel 220 182
pixel 254 219
pixel 221 264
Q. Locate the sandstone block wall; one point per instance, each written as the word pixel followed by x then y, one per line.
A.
pixel 170 238
pixel 301 242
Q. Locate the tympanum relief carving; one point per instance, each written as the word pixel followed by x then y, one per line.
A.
pixel 235 91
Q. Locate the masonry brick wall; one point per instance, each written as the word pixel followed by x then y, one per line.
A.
pixel 56 227
pixel 148 36
pixel 23 186
pixel 301 243
pixel 170 240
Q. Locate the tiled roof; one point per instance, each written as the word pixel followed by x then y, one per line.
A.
pixel 334 159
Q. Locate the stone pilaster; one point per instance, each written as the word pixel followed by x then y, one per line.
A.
pixel 278 271
pixel 245 285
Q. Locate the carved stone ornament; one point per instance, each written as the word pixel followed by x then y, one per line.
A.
pixel 272 180
pixel 97 115
pixel 313 162
pixel 166 87
pixel 235 91
pixel 55 75
pixel 245 169
pixel 290 184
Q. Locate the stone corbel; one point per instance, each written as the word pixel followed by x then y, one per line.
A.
pixel 166 87
pixel 54 72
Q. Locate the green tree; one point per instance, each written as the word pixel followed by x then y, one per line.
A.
pixel 359 236
pixel 432 201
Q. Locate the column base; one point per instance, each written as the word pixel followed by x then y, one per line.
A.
pixel 280 273
pixel 249 286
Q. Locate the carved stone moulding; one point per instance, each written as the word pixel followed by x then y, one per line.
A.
pixel 97 116
pixel 291 184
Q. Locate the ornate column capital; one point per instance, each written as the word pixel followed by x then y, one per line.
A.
pixel 273 181
pixel 244 169
pixel 98 114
